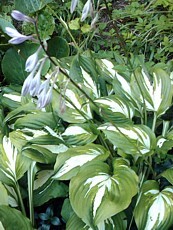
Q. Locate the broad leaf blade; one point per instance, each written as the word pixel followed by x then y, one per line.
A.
pixel 80 134
pixel 116 109
pixel 49 190
pixel 95 195
pixel 13 219
pixel 132 139
pixel 157 213
pixel 68 163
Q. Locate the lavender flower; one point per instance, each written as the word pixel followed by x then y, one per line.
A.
pixel 32 61
pixel 35 84
pixel 19 16
pixel 73 5
pixel 17 37
pixel 44 94
pixel 27 83
pixel 86 10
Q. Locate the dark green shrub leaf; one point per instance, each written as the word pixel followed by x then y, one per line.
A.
pixel 58 47
pixel 49 190
pixel 30 6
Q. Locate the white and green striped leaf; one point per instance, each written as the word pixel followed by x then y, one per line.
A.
pixel 36 121
pixel 97 195
pixel 154 208
pixel 116 109
pixel 80 134
pixel 156 92
pixel 12 164
pixel 68 163
pixel 73 108
pixel 117 222
pixel 132 139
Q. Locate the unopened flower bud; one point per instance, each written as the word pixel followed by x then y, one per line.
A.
pixel 32 61
pixel 19 16
pixel 86 10
pixel 73 5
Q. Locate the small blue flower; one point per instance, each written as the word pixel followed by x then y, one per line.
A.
pixel 19 16
pixel 17 37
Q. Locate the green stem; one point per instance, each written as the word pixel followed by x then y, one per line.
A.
pixel 66 27
pixel 31 175
pixel 154 122
pixel 20 200
pixel 165 127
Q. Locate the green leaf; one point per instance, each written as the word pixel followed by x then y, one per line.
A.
pixel 66 211
pixel 75 70
pixel 68 163
pixel 49 190
pixel 30 6
pixel 76 223
pixel 85 28
pixel 20 111
pixel 46 24
pixel 4 195
pixel 137 140
pixel 4 23
pixel 58 47
pixel 168 174
pixel 157 94
pixel 36 121
pixel 95 195
pixel 117 222
pixel 39 154
pixel 80 134
pixel 13 219
pixel 12 164
pixel 74 24
pixel 71 112
pixel 13 63
pixel 116 109
pixel 157 213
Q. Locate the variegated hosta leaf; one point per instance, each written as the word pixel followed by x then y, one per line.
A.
pixel 12 164
pixel 20 111
pixel 39 154
pixel 68 163
pixel 122 89
pixel 157 94
pixel 80 134
pixel 36 121
pixel 96 195
pixel 116 109
pixel 78 111
pixel 117 222
pixel 132 139
pixel 154 208
pixel 107 68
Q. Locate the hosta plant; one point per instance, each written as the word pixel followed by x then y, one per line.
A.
pixel 76 130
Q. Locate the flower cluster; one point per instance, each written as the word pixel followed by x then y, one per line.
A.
pixel 33 85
